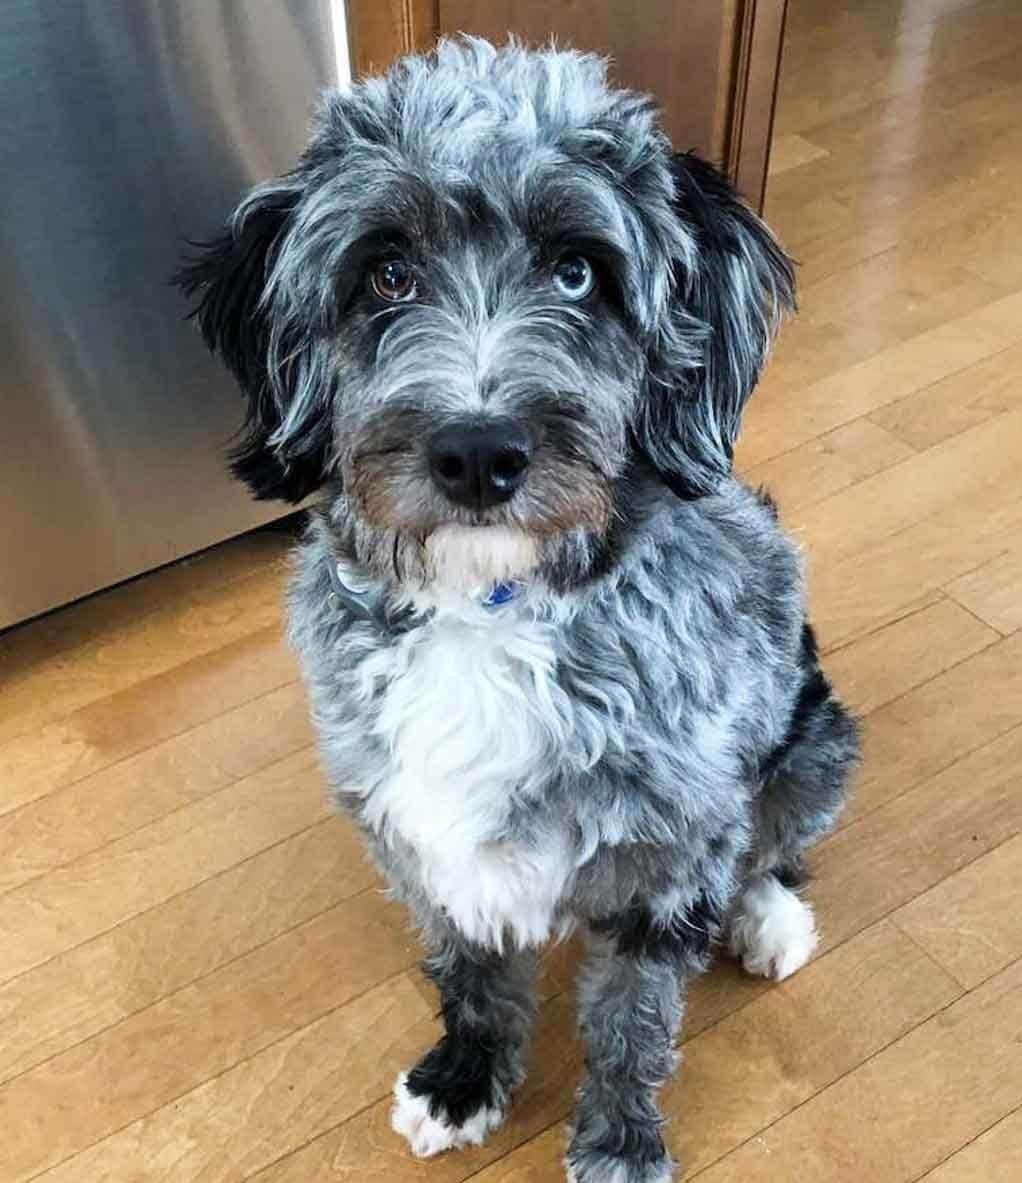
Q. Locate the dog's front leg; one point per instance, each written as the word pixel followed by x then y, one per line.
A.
pixel 630 1006
pixel 459 1091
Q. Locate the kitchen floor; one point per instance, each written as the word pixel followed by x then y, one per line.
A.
pixel 199 978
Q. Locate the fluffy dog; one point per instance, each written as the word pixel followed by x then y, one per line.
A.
pixel 556 653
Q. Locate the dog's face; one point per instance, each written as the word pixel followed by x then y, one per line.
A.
pixel 485 293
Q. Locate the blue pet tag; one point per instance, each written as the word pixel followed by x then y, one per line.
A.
pixel 500 593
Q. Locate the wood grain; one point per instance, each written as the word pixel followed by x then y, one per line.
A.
pixel 870 979
pixel 971 922
pixel 927 730
pixel 365 1149
pixel 910 567
pixel 103 807
pixel 791 151
pixel 856 74
pixel 828 464
pixel 883 860
pixel 785 1047
pixel 118 638
pixel 995 1154
pixel 919 1099
pixel 788 418
pixel 92 894
pixel 928 483
pixel 145 713
pixel 189 1037
pixel 104 980
pixel 993 592
pixel 895 659
pixel 287 1094
pixel 957 403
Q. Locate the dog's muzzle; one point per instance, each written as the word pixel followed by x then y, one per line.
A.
pixel 480 465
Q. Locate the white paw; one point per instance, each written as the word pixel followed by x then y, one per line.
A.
pixel 425 1134
pixel 773 932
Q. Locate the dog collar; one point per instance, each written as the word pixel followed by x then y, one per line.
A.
pixel 364 598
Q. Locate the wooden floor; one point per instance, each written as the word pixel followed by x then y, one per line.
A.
pixel 199 979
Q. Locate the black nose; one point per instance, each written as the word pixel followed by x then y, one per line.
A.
pixel 478 465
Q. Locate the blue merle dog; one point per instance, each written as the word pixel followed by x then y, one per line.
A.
pixel 557 654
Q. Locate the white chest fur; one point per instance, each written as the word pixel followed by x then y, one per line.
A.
pixel 472 717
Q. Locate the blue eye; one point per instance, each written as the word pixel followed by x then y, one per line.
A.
pixel 394 281
pixel 573 277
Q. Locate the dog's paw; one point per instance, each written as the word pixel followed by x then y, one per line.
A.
pixel 590 1166
pixel 773 932
pixel 427 1135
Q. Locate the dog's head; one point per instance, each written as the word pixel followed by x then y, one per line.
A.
pixel 485 294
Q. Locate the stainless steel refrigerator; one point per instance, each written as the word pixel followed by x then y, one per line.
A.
pixel 127 127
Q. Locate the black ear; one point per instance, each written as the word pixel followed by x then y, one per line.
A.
pixel 732 284
pixel 229 277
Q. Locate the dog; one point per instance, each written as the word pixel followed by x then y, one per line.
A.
pixel 557 654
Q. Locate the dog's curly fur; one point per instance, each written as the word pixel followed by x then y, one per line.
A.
pixel 640 739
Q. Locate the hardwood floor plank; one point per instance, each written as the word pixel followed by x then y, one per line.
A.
pixel 103 807
pixel 173 590
pixel 976 462
pixel 993 592
pixel 827 465
pixel 792 151
pixel 153 1057
pixel 910 567
pixel 99 983
pixel 994 1155
pixel 885 859
pixel 367 1149
pixel 955 117
pixel 943 204
pixel 116 639
pixel 924 732
pixel 971 922
pixel 76 902
pixel 867 307
pixel 826 25
pixel 759 1064
pixel 155 709
pixel 787 418
pixel 916 123
pixel 990 246
pixel 895 659
pixel 893 296
pixel 956 404
pixel 908 1108
pixel 255 1113
pixel 836 84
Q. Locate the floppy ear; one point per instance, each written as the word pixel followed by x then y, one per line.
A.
pixel 732 283
pixel 276 458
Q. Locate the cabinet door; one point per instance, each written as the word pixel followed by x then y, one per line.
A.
pixel 712 64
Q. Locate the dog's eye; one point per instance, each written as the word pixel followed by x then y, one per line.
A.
pixel 394 281
pixel 573 277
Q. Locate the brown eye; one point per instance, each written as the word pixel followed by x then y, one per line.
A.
pixel 394 281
